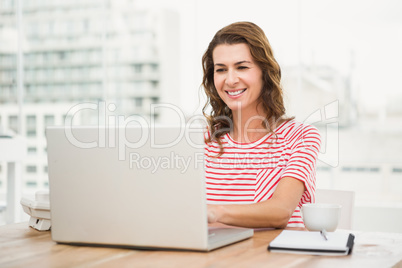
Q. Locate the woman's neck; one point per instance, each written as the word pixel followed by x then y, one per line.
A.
pixel 248 127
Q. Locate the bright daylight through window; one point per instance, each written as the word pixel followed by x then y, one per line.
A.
pixel 340 73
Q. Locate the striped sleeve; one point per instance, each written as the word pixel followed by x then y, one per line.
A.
pixel 302 162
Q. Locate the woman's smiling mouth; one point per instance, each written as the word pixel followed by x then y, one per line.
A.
pixel 236 93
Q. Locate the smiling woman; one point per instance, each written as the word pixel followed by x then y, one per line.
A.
pixel 260 165
pixel 237 78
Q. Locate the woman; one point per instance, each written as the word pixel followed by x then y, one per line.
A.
pixel 260 166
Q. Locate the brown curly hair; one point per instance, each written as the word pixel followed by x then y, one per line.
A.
pixel 220 118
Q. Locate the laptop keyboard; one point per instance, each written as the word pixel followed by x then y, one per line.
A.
pixel 211 233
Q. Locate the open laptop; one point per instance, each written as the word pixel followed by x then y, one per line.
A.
pixel 137 187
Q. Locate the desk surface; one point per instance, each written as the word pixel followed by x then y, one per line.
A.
pixel 22 246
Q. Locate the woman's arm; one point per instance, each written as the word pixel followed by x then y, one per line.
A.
pixel 274 212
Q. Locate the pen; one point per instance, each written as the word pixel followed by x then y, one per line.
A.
pixel 324 234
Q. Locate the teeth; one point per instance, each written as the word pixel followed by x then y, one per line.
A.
pixel 234 93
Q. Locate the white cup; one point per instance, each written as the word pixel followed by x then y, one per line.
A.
pixel 321 216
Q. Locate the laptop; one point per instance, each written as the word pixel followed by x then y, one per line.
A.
pixel 140 187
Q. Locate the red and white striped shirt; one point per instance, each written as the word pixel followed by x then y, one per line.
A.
pixel 249 172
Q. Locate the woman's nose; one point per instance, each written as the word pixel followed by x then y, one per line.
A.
pixel 231 78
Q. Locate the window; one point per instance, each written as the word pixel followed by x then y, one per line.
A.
pixel 31 169
pixel 138 102
pixel 397 170
pixel 32 150
pixel 49 120
pixel 31 126
pixel 31 184
pixel 13 123
pixel 154 67
pixel 137 68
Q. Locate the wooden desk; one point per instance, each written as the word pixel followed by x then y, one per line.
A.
pixel 22 246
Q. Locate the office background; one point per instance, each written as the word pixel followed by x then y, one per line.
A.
pixel 341 64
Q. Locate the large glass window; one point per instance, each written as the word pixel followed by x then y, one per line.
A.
pixel 341 64
pixel 57 55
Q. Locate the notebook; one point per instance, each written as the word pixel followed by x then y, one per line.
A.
pixel 136 187
pixel 304 242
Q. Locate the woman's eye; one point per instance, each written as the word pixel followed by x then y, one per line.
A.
pixel 242 67
pixel 219 70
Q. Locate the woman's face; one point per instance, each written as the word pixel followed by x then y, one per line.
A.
pixel 237 77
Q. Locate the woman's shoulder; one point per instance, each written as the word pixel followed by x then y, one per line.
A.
pixel 210 140
pixel 293 129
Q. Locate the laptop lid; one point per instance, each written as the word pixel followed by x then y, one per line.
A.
pixel 131 186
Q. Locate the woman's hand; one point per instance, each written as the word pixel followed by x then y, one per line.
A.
pixel 212 213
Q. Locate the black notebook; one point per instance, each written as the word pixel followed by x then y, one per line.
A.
pixel 304 242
